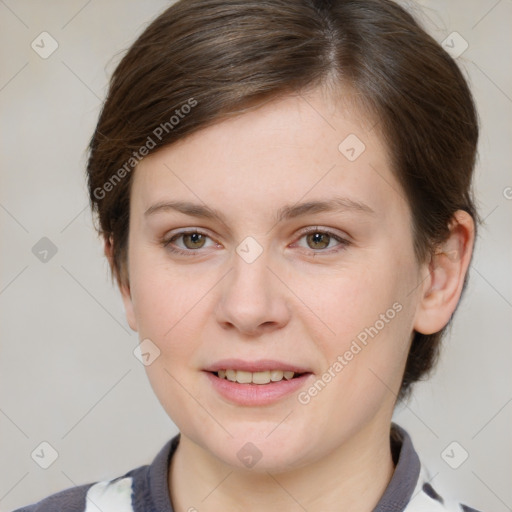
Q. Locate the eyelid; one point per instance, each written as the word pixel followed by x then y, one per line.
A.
pixel 185 231
pixel 343 240
pixel 169 238
pixel 324 229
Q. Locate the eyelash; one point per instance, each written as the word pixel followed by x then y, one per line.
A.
pixel 343 243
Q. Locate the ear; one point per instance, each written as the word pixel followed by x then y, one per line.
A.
pixel 124 285
pixel 445 276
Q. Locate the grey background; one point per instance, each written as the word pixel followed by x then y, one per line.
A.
pixel 68 375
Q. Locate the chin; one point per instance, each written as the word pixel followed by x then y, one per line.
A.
pixel 253 449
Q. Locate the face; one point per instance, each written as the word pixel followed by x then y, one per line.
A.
pixel 274 242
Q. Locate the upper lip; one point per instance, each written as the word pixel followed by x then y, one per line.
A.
pixel 259 365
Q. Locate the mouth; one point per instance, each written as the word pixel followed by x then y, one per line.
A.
pixel 256 383
pixel 260 378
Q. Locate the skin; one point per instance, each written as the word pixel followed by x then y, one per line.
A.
pixel 299 302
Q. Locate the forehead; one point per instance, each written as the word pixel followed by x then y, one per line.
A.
pixel 300 147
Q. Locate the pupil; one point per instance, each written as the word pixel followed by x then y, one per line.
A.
pixel 196 239
pixel 319 238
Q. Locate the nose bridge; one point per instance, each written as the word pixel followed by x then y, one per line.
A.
pixel 251 296
pixel 251 275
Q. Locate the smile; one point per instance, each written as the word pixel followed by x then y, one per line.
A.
pixel 256 388
pixel 263 377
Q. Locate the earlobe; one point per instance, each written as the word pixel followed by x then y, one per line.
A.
pixel 446 273
pixel 124 286
pixel 128 306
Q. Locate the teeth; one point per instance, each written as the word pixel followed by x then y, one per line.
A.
pixel 276 375
pixel 261 377
pixel 243 377
pixel 265 377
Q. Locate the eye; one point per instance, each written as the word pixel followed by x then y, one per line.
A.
pixel 194 240
pixel 320 240
pixel 187 242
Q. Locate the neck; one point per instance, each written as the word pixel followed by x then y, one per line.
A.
pixel 352 477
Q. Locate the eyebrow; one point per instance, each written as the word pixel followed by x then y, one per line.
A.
pixel 335 204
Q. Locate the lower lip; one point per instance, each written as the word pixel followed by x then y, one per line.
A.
pixel 256 394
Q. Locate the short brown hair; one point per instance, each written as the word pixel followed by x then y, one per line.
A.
pixel 219 56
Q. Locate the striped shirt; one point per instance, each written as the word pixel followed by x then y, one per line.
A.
pixel 145 488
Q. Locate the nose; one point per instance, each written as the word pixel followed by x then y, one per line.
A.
pixel 253 300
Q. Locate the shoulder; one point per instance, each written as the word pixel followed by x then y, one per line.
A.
pixel 138 490
pixel 70 500
pixel 427 498
pixel 422 496
pixel 107 495
pixel 410 488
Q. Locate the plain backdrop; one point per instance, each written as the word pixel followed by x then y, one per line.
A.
pixel 68 374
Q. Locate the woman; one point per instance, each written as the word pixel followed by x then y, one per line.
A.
pixel 284 193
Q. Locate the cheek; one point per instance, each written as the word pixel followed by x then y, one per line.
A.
pixel 172 306
pixel 167 305
pixel 364 358
pixel 369 313
pixel 162 296
pixel 352 299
